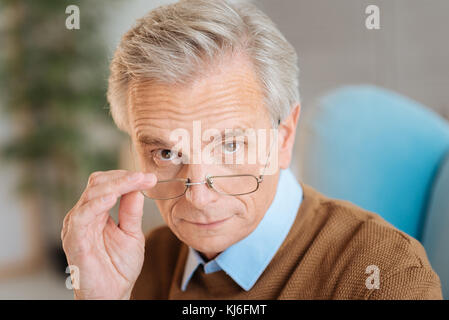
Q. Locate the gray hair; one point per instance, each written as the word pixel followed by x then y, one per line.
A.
pixel 170 43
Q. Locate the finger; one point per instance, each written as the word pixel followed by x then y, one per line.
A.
pixel 120 186
pixel 96 178
pixel 102 176
pixel 89 211
pixel 130 213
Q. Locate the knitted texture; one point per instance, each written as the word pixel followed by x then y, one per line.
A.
pixel 324 256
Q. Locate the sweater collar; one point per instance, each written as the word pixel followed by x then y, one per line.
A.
pixel 246 260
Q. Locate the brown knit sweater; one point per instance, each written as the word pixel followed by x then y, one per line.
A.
pixel 324 256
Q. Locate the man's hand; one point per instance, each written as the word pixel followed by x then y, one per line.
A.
pixel 109 257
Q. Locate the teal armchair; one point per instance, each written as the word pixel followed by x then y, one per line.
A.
pixel 387 154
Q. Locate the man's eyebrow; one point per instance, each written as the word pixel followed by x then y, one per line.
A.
pixel 228 133
pixel 224 134
pixel 154 141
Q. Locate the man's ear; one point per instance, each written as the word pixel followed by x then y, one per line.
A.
pixel 286 138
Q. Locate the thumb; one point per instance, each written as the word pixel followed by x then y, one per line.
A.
pixel 130 213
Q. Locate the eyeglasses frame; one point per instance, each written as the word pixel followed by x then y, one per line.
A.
pixel 209 181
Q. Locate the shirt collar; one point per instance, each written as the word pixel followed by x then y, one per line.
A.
pixel 246 260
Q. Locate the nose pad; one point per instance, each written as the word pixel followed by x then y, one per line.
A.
pixel 188 183
pixel 201 197
pixel 208 181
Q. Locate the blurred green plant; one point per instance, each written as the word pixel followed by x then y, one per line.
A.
pixel 53 85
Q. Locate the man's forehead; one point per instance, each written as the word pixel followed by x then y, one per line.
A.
pixel 165 112
pixel 231 98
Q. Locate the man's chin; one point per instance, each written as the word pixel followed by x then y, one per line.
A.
pixel 212 244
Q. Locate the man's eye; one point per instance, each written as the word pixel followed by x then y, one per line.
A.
pixel 231 147
pixel 166 154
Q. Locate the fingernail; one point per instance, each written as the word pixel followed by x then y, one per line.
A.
pixel 135 176
pixel 108 198
pixel 149 177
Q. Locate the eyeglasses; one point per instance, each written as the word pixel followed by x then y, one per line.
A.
pixel 231 185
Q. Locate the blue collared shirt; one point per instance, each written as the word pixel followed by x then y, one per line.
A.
pixel 246 260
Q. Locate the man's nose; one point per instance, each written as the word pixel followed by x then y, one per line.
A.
pixel 199 195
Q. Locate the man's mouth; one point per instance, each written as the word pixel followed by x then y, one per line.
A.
pixel 210 224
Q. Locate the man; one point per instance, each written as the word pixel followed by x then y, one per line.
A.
pixel 235 230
